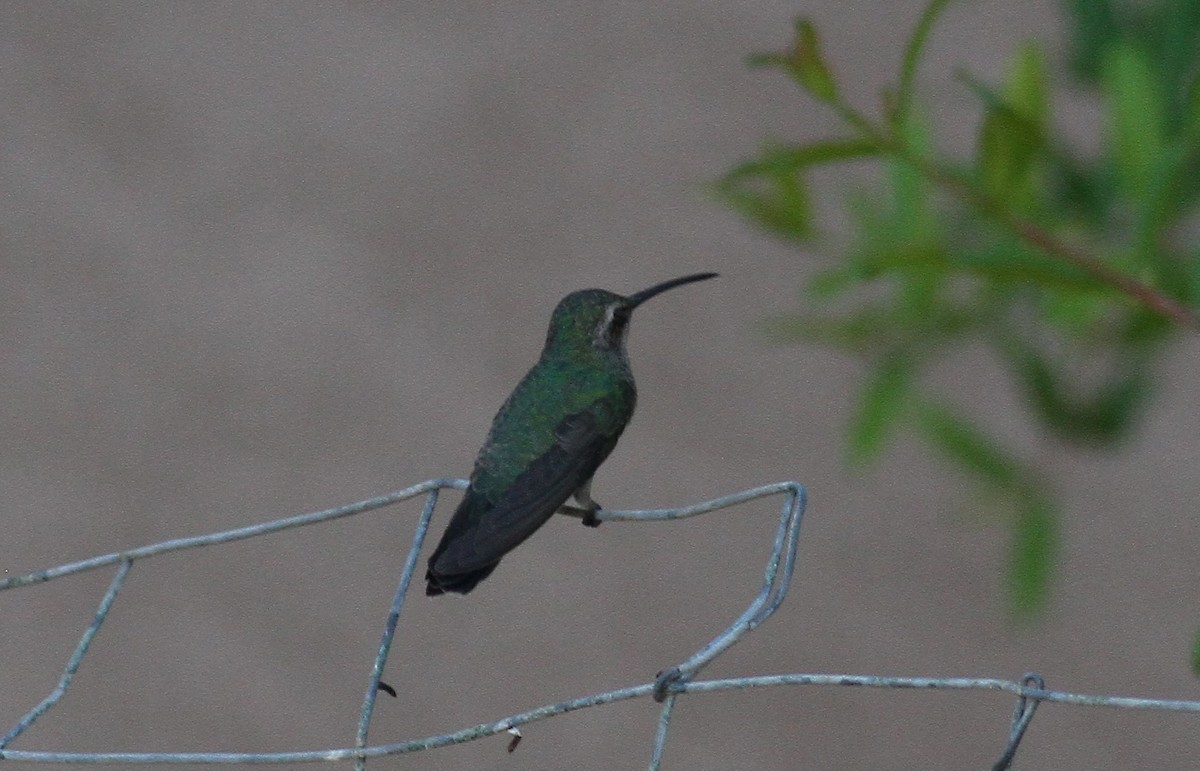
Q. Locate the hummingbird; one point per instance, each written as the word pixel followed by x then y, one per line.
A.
pixel 549 437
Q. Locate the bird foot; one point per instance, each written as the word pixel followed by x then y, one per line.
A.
pixel 583 496
pixel 588 515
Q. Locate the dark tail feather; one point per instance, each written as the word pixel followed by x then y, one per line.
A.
pixel 460 583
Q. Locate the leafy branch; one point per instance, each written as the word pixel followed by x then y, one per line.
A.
pixel 1071 267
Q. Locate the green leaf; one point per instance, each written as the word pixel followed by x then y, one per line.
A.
pixel 1034 550
pixel 913 217
pixel 1136 115
pixel 828 284
pixel 776 201
pixel 804 63
pixel 1097 416
pixel 1035 525
pixel 1191 112
pixel 971 450
pixel 1093 29
pixel 775 159
pixel 1005 261
pixel 770 189
pixel 912 58
pixel 880 407
pixel 809 67
pixel 1003 156
pixel 1143 330
pixel 764 60
pixel 1026 89
pixel 1013 131
pixel 1084 192
pixel 911 258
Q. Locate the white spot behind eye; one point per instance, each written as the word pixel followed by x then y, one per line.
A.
pixel 603 336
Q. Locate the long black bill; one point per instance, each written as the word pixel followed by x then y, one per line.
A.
pixel 638 298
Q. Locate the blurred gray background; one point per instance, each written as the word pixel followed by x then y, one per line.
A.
pixel 265 258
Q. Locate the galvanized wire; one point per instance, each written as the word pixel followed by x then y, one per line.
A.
pixel 667 687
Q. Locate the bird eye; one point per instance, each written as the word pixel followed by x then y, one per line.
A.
pixel 620 320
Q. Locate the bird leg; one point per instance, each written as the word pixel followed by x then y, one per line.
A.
pixel 583 496
pixel 587 507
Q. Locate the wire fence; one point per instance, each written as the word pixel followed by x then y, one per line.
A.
pixel 666 688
